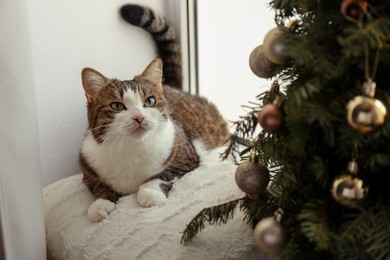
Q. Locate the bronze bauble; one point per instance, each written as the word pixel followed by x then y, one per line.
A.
pixel 260 65
pixel 252 177
pixel 273 47
pixel 270 118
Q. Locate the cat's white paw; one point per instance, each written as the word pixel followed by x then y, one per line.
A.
pixel 150 194
pixel 150 197
pixel 100 209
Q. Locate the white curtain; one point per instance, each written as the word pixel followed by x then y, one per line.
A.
pixel 21 211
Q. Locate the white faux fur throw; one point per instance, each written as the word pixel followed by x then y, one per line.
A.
pixel 133 232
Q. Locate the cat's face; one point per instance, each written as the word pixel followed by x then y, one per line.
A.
pixel 131 110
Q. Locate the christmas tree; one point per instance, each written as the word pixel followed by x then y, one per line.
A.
pixel 315 177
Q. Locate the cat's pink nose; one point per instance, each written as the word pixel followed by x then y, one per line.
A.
pixel 138 118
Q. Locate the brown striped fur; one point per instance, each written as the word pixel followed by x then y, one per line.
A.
pixel 164 36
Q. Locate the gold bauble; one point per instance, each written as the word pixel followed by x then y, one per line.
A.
pixel 365 114
pixel 260 65
pixel 273 47
pixel 270 236
pixel 348 190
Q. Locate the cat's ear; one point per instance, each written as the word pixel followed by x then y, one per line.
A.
pixel 93 81
pixel 153 72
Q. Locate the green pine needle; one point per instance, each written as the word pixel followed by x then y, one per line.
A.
pixel 366 234
pixel 216 215
pixel 316 225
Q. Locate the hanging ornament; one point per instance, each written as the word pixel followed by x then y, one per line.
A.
pixel 270 236
pixel 273 46
pixel 347 189
pixel 365 113
pixel 270 116
pixel 260 65
pixel 252 177
pixel 354 8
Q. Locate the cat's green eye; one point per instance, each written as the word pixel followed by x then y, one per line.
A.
pixel 117 106
pixel 150 101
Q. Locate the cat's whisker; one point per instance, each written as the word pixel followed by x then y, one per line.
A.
pixel 191 130
pixel 112 146
pixel 103 136
pixel 126 129
pixel 183 138
pixel 105 125
pixel 99 137
pixel 121 149
pixel 107 138
pixel 101 126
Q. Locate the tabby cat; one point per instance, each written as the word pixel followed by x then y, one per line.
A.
pixel 141 132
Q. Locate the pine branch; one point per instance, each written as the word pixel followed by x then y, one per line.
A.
pixel 243 134
pixel 216 215
pixel 366 234
pixel 233 148
pixel 316 225
pixel 246 127
pixel 255 210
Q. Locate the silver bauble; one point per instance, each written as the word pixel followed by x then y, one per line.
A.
pixel 270 236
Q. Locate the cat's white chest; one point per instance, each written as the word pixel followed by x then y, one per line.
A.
pixel 126 165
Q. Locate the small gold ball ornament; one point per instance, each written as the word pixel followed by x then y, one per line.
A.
pixel 260 65
pixel 347 189
pixel 365 113
pixel 270 236
pixel 252 177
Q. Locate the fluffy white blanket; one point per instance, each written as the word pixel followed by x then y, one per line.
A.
pixel 133 232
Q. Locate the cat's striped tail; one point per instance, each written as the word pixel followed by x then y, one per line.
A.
pixel 164 36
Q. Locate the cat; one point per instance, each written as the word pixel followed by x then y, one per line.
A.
pixel 141 132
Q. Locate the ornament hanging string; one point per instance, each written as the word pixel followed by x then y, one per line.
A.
pixel 352 165
pixel 278 214
pixel 355 152
pixel 281 198
pixel 367 62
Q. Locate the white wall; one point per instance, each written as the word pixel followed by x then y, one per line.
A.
pixel 228 32
pixel 67 36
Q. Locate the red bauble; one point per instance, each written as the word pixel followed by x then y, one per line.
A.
pixel 354 8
